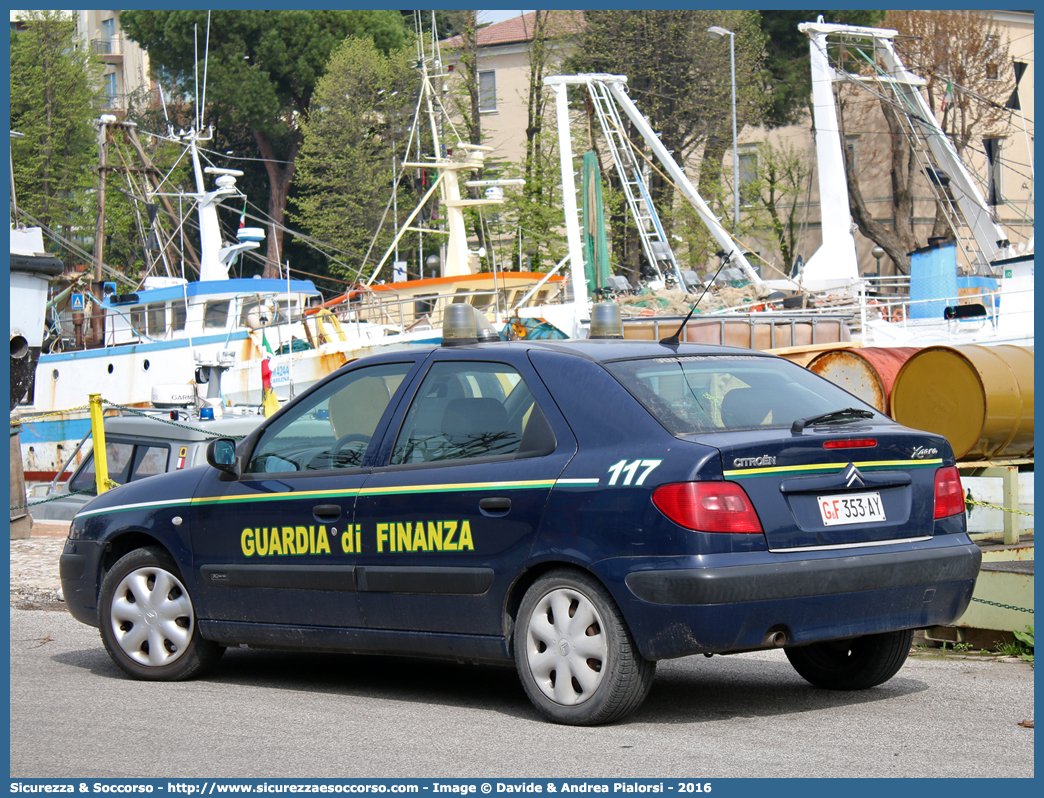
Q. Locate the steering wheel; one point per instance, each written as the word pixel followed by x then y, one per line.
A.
pixel 345 440
pixel 328 459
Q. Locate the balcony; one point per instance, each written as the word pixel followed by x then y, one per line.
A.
pixel 110 50
pixel 117 102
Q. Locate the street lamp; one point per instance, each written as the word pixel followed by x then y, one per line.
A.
pixel 718 32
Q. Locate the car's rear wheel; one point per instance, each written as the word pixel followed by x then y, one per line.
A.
pixel 148 623
pixel 576 658
pixel 854 664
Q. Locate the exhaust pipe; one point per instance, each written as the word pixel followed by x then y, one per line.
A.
pixel 777 639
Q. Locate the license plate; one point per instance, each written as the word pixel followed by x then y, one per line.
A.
pixel 851 508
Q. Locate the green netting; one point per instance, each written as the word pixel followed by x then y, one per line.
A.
pixel 596 246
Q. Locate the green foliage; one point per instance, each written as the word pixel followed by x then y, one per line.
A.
pixel 1026 639
pixel 681 80
pixel 262 65
pixel 345 171
pixel 54 87
pixel 261 71
pixel 786 79
pixel 773 201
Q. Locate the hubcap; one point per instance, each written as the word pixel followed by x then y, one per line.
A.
pixel 566 646
pixel 152 617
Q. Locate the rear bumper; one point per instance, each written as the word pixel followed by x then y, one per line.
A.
pixel 681 606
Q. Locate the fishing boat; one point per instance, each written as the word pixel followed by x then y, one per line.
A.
pixel 993 303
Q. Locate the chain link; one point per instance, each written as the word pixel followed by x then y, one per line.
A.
pixel 168 421
pixel 55 498
pixel 1004 606
pixel 31 419
pixel 109 483
pixel 998 507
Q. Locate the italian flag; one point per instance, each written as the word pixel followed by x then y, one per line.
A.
pixel 269 403
pixel 948 96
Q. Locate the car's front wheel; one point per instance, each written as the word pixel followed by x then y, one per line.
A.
pixel 148 623
pixel 853 664
pixel 576 658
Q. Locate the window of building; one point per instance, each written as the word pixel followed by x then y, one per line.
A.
pixel 110 89
pixel 991 46
pixel 851 151
pixel 487 91
pixel 748 174
pixel 993 175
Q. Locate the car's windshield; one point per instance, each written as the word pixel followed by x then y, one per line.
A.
pixel 711 393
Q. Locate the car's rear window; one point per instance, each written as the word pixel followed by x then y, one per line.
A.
pixel 712 393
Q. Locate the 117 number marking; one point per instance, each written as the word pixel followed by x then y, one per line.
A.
pixel 629 469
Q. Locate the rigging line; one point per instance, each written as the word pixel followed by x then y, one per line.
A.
pixel 311 241
pixel 73 246
pixel 217 154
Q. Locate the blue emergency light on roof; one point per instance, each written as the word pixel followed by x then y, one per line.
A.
pixel 206 414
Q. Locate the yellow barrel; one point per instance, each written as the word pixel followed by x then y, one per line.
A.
pixel 980 398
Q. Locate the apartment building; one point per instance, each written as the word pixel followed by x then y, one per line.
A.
pixel 126 65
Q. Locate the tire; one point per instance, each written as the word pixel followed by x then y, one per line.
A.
pixel 147 620
pixel 854 664
pixel 607 677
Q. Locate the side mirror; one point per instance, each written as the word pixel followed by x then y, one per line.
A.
pixel 221 454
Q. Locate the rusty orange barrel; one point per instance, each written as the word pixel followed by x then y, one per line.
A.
pixel 980 398
pixel 869 372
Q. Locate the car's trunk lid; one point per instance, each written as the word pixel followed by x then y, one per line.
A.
pixel 809 496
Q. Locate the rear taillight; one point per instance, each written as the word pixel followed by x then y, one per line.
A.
pixel 949 495
pixel 708 506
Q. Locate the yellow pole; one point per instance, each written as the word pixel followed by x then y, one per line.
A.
pixel 101 467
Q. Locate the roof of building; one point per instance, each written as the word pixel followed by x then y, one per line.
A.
pixel 520 29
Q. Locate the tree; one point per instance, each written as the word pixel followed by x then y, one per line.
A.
pixel 681 81
pixel 787 80
pixel 962 50
pixel 774 198
pixel 537 211
pixel 261 68
pixel 959 46
pixel 345 171
pixel 55 86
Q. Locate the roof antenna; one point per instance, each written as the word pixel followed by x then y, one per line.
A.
pixel 675 339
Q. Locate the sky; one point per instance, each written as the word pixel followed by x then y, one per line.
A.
pixel 499 15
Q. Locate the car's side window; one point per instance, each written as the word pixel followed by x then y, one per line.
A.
pixel 333 427
pixel 149 461
pixel 466 410
pixel 118 456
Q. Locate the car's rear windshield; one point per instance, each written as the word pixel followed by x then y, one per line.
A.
pixel 713 393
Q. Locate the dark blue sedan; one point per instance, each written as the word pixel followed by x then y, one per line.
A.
pixel 583 508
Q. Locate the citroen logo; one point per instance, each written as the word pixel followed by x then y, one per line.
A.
pixel 853 477
pixel 563 647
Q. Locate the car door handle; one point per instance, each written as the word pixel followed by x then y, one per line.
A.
pixel 495 504
pixel 327 512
